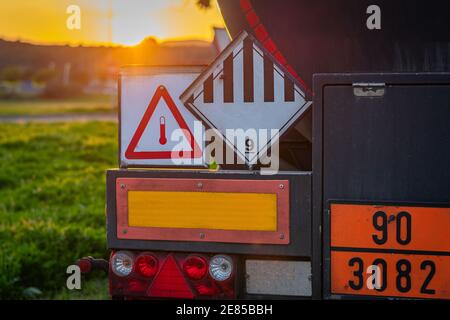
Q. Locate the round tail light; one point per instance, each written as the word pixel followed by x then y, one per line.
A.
pixel 195 267
pixel 146 265
pixel 221 267
pixel 122 263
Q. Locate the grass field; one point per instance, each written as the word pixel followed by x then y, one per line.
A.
pixel 95 104
pixel 52 201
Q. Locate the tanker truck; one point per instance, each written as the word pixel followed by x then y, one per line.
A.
pixel 358 206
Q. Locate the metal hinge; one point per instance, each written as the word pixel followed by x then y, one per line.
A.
pixel 369 89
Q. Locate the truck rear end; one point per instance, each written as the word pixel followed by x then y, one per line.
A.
pixel 359 206
pixel 370 220
pixel 191 234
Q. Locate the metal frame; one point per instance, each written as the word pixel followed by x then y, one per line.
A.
pixel 321 224
pixel 149 70
pixel 278 187
pixel 299 215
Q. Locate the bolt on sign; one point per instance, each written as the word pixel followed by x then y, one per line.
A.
pixel 247 88
pixel 156 129
pixel 408 245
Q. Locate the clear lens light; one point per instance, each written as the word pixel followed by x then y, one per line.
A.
pixel 221 267
pixel 122 263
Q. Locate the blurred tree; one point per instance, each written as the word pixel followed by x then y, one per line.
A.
pixel 11 73
pixel 81 76
pixel 204 4
pixel 44 75
pixel 148 43
pixel 103 74
pixel 27 74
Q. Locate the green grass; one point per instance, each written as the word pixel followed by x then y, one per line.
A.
pixel 96 104
pixel 94 288
pixel 52 202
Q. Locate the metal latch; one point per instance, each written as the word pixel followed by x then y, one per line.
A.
pixel 369 89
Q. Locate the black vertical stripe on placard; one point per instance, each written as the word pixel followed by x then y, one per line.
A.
pixel 248 70
pixel 268 80
pixel 228 95
pixel 288 89
pixel 208 90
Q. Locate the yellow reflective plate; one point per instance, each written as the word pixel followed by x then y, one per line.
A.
pixel 204 210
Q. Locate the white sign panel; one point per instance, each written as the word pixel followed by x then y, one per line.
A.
pixel 156 129
pixel 246 88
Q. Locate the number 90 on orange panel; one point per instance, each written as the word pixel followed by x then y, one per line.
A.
pixel 390 227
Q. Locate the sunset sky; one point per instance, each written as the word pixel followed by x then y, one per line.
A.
pixel 44 21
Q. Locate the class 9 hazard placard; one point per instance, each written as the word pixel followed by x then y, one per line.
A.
pixel 156 130
pixel 389 251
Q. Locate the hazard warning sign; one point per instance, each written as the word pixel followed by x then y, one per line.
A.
pixel 247 88
pixel 155 127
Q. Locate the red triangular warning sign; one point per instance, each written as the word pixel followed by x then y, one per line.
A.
pixel 131 152
pixel 170 282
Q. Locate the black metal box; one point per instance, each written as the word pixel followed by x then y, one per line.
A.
pixel 378 139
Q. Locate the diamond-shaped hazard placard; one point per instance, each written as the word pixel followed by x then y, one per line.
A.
pixel 246 88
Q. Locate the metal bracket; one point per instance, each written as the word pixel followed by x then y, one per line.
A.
pixel 369 89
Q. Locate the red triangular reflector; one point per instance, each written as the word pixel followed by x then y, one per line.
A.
pixel 170 282
pixel 131 153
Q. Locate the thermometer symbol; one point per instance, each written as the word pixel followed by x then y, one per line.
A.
pixel 162 131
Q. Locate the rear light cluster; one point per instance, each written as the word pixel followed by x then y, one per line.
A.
pixel 173 275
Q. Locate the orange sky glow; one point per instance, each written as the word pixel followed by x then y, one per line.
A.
pixel 104 22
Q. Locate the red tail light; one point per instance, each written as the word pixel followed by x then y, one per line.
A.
pixel 85 265
pixel 170 282
pixel 146 265
pixel 195 267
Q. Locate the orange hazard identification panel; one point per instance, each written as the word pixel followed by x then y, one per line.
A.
pixel 393 227
pixel 388 250
pixel 400 275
